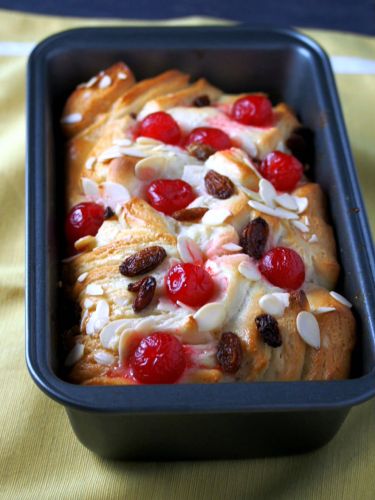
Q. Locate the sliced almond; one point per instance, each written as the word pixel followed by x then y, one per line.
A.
pixel 102 309
pixel 189 251
pixel 105 82
pixel 287 201
pixel 274 303
pixel 308 328
pixel 285 214
pixel 85 243
pixel 302 203
pixel 108 337
pixel 159 166
pixel 74 355
pixel 210 316
pixel 88 303
pixel 300 226
pixel 267 192
pixel 82 277
pixel 147 141
pixel 91 82
pixel 111 153
pixel 216 216
pixel 232 247
pixel 340 299
pixel 323 310
pixel 249 271
pixel 90 187
pixel 115 193
pixel 94 289
pixel 313 239
pixel 104 358
pixel 72 118
pixel 90 162
pixel 122 142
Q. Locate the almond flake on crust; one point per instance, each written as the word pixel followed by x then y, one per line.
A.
pixel 105 82
pixel 88 303
pixel 323 310
pixel 85 243
pixel 276 212
pixel 122 142
pixel 90 162
pixel 74 355
pixel 210 316
pixel 267 192
pixel 115 193
pixel 274 303
pixel 249 271
pixel 300 226
pixel 232 247
pixel 189 251
pixel 308 329
pixel 72 118
pixel 302 203
pixel 104 358
pixel 340 299
pixel 90 187
pixel 216 216
pixel 287 201
pixel 82 277
pixel 94 289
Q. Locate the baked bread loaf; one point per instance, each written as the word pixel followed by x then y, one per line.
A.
pixel 200 252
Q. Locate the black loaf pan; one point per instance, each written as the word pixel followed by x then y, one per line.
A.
pixel 195 421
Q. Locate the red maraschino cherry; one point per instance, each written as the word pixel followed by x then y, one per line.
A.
pixel 160 126
pixel 158 359
pixel 282 170
pixel 213 137
pixel 83 219
pixel 190 284
pixel 254 109
pixel 283 267
pixel 169 195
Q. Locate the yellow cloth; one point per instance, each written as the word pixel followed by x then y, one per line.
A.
pixel 39 455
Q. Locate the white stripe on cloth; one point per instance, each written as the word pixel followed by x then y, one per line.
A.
pixel 342 65
pixel 10 49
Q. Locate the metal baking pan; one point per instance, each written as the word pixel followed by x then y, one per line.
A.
pixel 195 421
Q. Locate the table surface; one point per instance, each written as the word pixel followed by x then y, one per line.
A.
pixel 341 15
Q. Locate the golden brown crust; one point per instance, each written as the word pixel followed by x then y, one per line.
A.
pixel 136 97
pixel 183 97
pixel 337 331
pixel 90 102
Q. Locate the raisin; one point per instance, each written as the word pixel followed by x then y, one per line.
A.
pixel 201 101
pixel 108 213
pixel 229 352
pixel 145 294
pixel 134 287
pixel 253 238
pixel 218 185
pixel 268 328
pixel 143 261
pixel 200 151
pixel 189 214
